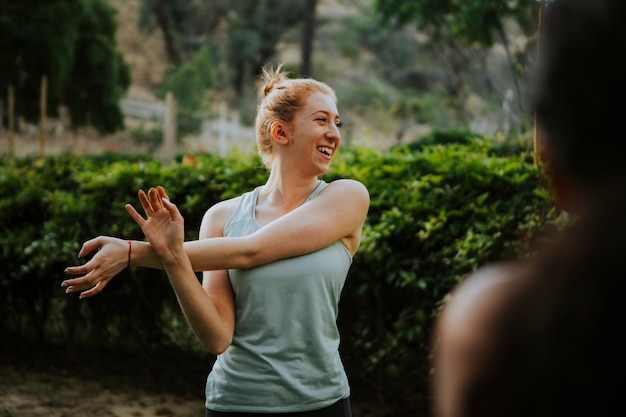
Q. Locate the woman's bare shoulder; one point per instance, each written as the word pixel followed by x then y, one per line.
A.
pixel 348 188
pixel 227 205
pixel 216 216
pixel 348 184
pixel 478 300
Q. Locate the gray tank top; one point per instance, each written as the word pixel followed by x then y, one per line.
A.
pixel 284 356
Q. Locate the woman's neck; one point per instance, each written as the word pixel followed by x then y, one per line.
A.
pixel 288 192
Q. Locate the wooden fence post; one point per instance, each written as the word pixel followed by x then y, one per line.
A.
pixel 223 126
pixel 536 131
pixel 42 119
pixel 169 129
pixel 11 112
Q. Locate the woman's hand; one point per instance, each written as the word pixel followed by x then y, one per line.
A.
pixel 163 226
pixel 110 259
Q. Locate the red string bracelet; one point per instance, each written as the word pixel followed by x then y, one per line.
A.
pixel 130 249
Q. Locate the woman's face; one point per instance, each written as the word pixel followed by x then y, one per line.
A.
pixel 313 134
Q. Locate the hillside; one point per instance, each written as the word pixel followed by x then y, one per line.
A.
pixel 355 72
pixel 356 68
pixel 145 53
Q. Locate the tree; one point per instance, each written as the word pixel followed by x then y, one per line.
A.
pixel 255 28
pixel 186 25
pixel 190 83
pixel 405 111
pixel 100 76
pixel 252 30
pixel 457 23
pixel 308 35
pixel 72 43
pixel 473 21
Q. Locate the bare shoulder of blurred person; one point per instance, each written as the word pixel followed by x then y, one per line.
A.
pixel 464 334
pixel 541 336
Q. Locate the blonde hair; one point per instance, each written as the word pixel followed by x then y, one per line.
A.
pixel 280 97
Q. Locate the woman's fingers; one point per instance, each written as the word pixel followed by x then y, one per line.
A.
pixel 94 290
pixel 171 208
pixel 136 216
pixel 78 270
pixel 107 262
pixel 88 290
pixel 145 203
pixel 167 204
pixel 90 246
pixel 86 281
pixel 155 199
pixel 162 192
pixel 151 201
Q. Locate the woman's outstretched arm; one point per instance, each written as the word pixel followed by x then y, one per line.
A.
pixel 338 213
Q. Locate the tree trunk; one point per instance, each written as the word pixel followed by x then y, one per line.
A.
pixel 308 36
pixel 11 115
pixel 455 65
pixel 42 116
pixel 509 58
pixel 239 73
pixel 168 37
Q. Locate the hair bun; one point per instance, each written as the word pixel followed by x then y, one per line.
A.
pixel 270 79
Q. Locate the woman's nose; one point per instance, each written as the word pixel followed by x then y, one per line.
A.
pixel 334 133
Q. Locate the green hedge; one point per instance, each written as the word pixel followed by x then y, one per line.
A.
pixel 436 214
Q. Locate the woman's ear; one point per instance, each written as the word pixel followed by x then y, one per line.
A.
pixel 278 133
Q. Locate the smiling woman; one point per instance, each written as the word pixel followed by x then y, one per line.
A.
pixel 283 98
pixel 274 263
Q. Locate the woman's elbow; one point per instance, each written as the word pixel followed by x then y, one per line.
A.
pixel 217 347
pixel 248 261
pixel 251 258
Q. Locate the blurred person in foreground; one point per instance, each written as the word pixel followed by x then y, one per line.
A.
pixel 275 261
pixel 542 336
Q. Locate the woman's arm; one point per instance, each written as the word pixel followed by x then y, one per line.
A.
pixel 338 213
pixel 217 286
pixel 213 318
pixel 213 325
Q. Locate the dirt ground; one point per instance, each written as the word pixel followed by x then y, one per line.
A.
pixel 53 394
pixel 42 380
pixel 38 381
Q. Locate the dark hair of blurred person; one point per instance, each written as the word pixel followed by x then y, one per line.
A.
pixel 541 336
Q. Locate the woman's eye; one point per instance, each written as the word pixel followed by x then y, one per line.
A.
pixel 321 119
pixel 340 124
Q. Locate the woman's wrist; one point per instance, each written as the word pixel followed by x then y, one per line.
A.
pixel 130 251
pixel 142 254
pixel 173 258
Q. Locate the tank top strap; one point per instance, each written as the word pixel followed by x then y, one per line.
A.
pixel 321 184
pixel 245 209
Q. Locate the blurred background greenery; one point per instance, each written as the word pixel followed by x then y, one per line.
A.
pixel 400 67
pixel 434 99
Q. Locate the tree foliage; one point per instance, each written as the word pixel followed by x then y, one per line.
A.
pixel 185 24
pixel 251 29
pixel 458 24
pixel 255 28
pixel 72 43
pixel 100 76
pixel 470 22
pixel 190 83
